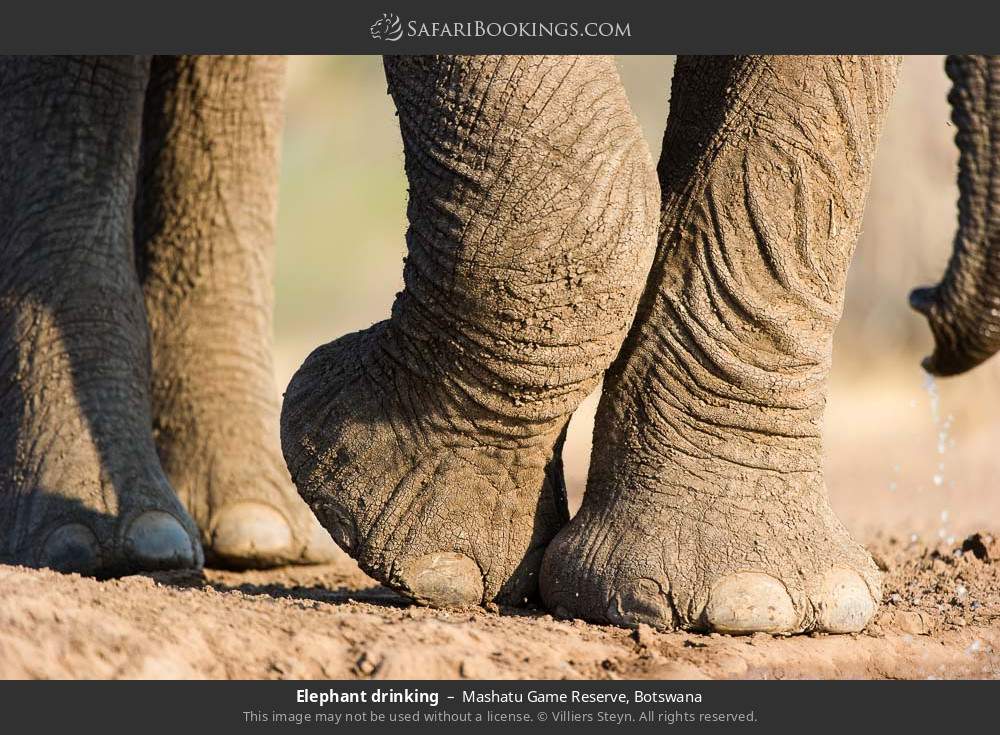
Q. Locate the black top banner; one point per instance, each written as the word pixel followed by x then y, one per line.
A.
pixel 453 26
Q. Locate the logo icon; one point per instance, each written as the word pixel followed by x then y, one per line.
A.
pixel 387 28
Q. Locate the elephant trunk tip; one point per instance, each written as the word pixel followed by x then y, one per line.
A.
pixel 923 299
pixel 942 365
pixel 953 352
pixel 929 364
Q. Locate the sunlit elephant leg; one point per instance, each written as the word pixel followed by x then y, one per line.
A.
pixel 205 221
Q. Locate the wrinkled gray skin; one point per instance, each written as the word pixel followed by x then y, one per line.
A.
pixel 122 388
pixel 204 234
pixel 963 310
pixel 706 506
pixel 429 444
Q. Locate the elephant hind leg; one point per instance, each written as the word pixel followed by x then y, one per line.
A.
pixel 705 505
pixel 81 488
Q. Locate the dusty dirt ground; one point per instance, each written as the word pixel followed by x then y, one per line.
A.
pixel 940 620
pixel 911 471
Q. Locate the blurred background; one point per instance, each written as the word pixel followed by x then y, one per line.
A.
pixel 905 455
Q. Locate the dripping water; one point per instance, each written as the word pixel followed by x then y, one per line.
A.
pixel 944 442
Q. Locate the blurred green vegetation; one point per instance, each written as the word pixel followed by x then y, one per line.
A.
pixel 343 193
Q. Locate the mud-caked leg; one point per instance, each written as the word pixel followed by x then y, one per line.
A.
pixel 81 488
pixel 429 444
pixel 205 221
pixel 705 505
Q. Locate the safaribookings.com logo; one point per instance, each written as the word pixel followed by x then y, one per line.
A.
pixel 390 28
pixel 387 28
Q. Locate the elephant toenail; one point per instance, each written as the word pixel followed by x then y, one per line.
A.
pixel 641 600
pixel 444 579
pixel 750 602
pixel 844 603
pixel 71 548
pixel 339 526
pixel 250 531
pixel 157 540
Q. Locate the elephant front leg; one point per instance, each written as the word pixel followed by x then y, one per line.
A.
pixel 429 444
pixel 205 219
pixel 81 488
pixel 706 506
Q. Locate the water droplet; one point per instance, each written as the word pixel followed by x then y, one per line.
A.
pixel 930 385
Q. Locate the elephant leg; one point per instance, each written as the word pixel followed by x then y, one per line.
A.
pixel 205 219
pixel 429 443
pixel 963 310
pixel 705 505
pixel 81 488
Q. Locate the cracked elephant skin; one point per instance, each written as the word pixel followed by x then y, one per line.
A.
pixel 543 249
pixel 706 507
pixel 138 412
pixel 429 444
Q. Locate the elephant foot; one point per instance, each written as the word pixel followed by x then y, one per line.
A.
pixel 72 539
pixel 241 497
pixel 429 445
pixel 445 512
pixel 215 424
pixel 216 431
pixel 706 507
pixel 70 535
pixel 81 488
pixel 726 561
